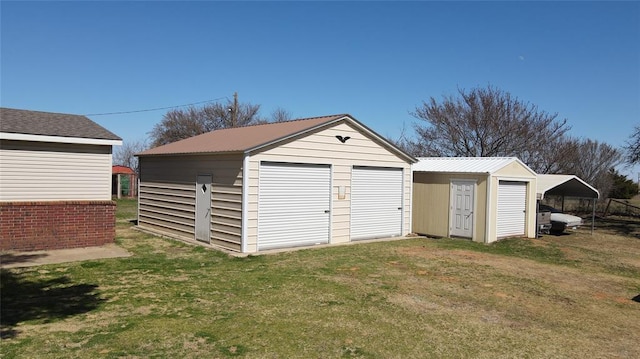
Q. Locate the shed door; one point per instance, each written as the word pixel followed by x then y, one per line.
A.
pixel 461 206
pixel 294 204
pixel 512 204
pixel 376 202
pixel 203 208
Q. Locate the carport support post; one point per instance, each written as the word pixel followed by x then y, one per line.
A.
pixel 118 187
pixel 593 215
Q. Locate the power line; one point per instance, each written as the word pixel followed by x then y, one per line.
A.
pixel 155 109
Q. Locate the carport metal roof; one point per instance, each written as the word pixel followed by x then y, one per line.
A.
pixel 564 185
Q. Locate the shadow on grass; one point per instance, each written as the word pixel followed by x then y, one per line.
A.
pixel 626 226
pixel 44 300
pixel 636 298
pixel 11 258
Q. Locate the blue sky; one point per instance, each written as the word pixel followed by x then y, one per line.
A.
pixel 374 60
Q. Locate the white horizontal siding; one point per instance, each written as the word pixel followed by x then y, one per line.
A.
pixel 52 175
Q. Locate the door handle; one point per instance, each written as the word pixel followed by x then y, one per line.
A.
pixel 327 211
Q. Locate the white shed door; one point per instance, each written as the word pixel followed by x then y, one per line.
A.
pixel 462 202
pixel 376 202
pixel 512 205
pixel 293 205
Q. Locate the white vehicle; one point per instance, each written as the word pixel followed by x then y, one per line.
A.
pixel 561 221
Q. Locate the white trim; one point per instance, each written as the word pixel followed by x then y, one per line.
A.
pixel 404 179
pixel 515 179
pixel 245 203
pixel 330 203
pixel 489 200
pixel 58 139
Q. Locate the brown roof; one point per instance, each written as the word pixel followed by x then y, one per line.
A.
pixel 51 124
pixel 241 139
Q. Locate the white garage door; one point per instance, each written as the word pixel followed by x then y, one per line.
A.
pixel 376 202
pixel 512 205
pixel 293 205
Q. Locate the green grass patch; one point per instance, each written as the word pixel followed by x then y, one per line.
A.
pixel 514 247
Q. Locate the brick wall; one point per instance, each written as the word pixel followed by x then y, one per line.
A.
pixel 29 226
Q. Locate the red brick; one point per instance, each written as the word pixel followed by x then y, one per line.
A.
pixel 56 225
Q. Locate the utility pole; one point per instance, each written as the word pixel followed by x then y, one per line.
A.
pixel 234 112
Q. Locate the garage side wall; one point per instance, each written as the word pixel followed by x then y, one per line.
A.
pixel 167 196
pixel 323 147
pixel 431 203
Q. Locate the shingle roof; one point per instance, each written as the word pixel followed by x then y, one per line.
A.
pixel 241 139
pixel 51 124
pixel 464 164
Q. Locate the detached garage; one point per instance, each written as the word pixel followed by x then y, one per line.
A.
pixel 297 183
pixel 480 198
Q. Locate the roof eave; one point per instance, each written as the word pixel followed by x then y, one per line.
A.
pixel 59 139
pixel 142 154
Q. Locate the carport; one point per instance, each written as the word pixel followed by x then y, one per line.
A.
pixel 567 186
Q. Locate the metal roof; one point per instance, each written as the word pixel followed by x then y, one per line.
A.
pixel 39 123
pixel 117 169
pixel 564 185
pixel 486 165
pixel 254 137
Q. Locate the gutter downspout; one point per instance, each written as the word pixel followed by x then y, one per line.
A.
pixel 245 203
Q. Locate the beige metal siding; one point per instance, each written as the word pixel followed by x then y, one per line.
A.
pixel 182 171
pixel 168 208
pixel 431 203
pixel 322 147
pixel 35 171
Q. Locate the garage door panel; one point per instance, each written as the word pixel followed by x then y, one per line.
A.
pixel 376 202
pixel 293 205
pixel 512 200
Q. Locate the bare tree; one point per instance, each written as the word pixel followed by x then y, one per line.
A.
pixel 632 147
pixel 180 124
pixel 554 156
pixel 484 122
pixel 593 162
pixel 125 155
pixel 280 115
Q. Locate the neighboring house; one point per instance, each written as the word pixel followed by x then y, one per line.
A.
pixel 480 198
pixel 55 181
pixel 297 183
pixel 123 182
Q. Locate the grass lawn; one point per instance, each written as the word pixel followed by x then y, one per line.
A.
pixel 574 295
